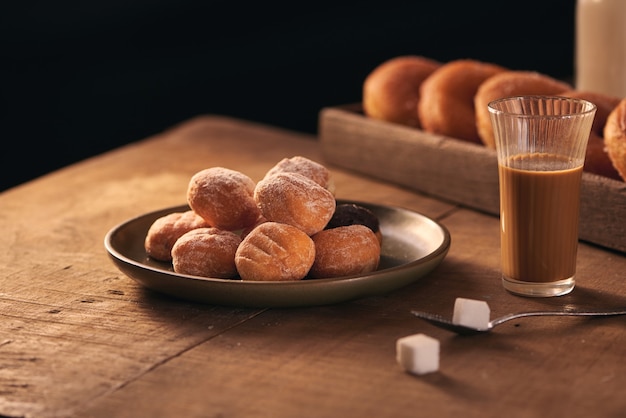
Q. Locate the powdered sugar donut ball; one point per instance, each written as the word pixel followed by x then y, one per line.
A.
pixel 224 197
pixel 206 252
pixel 296 200
pixel 164 232
pixel 345 251
pixel 308 168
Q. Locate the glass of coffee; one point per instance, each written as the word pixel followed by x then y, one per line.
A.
pixel 540 143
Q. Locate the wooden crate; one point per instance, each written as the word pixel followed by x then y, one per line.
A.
pixel 453 170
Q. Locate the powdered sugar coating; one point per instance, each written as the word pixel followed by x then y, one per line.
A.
pixel 345 251
pixel 206 252
pixel 164 232
pixel 223 197
pixel 296 200
pixel 308 168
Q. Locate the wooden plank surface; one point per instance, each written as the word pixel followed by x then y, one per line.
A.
pixel 340 360
pixel 78 338
pixel 74 329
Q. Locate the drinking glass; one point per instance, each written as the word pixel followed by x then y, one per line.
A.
pixel 540 143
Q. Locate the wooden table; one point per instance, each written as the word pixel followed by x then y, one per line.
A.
pixel 78 338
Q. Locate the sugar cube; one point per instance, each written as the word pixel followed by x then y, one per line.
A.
pixel 472 313
pixel 418 353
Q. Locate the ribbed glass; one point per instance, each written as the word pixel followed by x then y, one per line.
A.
pixel 541 143
pixel 559 126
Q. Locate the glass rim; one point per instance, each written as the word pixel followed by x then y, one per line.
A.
pixel 587 108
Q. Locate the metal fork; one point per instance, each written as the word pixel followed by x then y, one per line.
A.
pixel 442 322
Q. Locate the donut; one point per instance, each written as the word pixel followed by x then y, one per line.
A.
pixel 597 159
pixel 446 103
pixel 391 90
pixel 206 252
pixel 223 197
pixel 352 214
pixel 308 168
pixel 615 138
pixel 165 230
pixel 275 252
pixel 507 84
pixel 345 251
pixel 296 200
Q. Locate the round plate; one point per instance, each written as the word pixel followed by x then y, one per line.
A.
pixel 413 245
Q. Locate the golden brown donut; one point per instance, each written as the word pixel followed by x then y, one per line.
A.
pixel 345 251
pixel 391 90
pixel 446 103
pixel 164 232
pixel 275 252
pixel 508 84
pixel 308 168
pixel 224 197
pixel 615 138
pixel 597 159
pixel 294 199
pixel 206 252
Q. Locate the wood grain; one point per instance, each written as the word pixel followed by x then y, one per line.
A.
pixel 74 329
pixel 77 338
pixel 340 360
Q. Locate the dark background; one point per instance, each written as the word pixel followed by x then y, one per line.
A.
pixel 82 77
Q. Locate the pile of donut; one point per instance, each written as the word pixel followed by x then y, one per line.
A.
pixel 288 226
pixel 451 99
